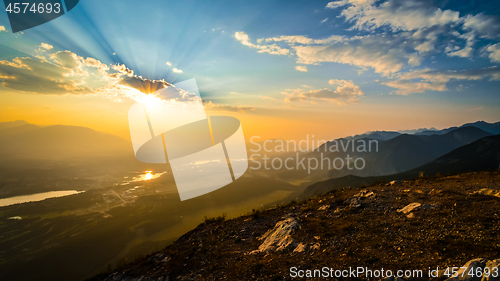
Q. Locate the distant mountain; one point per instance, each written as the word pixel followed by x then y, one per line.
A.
pixel 6 125
pixel 375 135
pixel 27 141
pixel 406 152
pixel 16 130
pixel 480 155
pixel 492 128
pixel 414 131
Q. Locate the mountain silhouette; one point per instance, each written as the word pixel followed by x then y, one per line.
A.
pixel 27 141
pixel 406 152
pixel 492 128
pixel 480 155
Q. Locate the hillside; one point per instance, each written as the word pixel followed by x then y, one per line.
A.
pixel 483 154
pixel 410 225
pixel 406 152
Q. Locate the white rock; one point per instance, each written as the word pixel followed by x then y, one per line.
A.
pixel 410 207
pixel 279 238
pixel 488 191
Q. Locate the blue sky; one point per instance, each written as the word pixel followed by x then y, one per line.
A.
pixel 281 57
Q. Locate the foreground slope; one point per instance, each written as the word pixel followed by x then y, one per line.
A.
pixel 453 222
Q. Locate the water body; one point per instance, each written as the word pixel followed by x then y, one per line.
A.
pixel 36 197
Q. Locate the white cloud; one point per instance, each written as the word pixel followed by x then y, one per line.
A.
pixel 2 28
pixel 464 53
pixel 225 107
pixel 273 49
pixel 406 87
pixel 426 46
pixel 169 63
pixel 46 46
pixel 486 26
pixel 302 68
pixel 267 98
pixel 176 70
pixel 323 21
pixel 382 59
pixel 494 52
pixel 304 40
pixel 417 17
pixel 386 54
pixel 346 92
pixel 428 79
pixel 234 93
pixel 398 15
pixel 414 60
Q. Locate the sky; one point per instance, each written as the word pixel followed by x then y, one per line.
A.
pixel 286 69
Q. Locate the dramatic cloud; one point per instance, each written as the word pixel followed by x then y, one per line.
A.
pixel 225 107
pixel 346 92
pixel 394 36
pixel 301 68
pixel 64 72
pixel 273 49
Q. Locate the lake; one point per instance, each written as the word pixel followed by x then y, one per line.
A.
pixel 36 197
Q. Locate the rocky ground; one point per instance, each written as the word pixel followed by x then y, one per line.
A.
pixel 403 225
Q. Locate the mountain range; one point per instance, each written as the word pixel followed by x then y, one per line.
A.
pixel 480 155
pixel 492 128
pixel 403 152
pixel 20 140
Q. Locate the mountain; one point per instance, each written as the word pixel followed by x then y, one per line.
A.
pixel 406 152
pixel 483 154
pixel 6 125
pixel 492 128
pixel 376 135
pixel 27 141
pixel 480 155
pixel 16 130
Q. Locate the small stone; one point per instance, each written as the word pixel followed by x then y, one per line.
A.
pixel 323 208
pixel 410 207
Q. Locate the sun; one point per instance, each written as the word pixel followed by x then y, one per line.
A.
pixel 150 100
pixel 148 176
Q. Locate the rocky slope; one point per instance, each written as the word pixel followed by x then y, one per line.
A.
pixel 420 224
